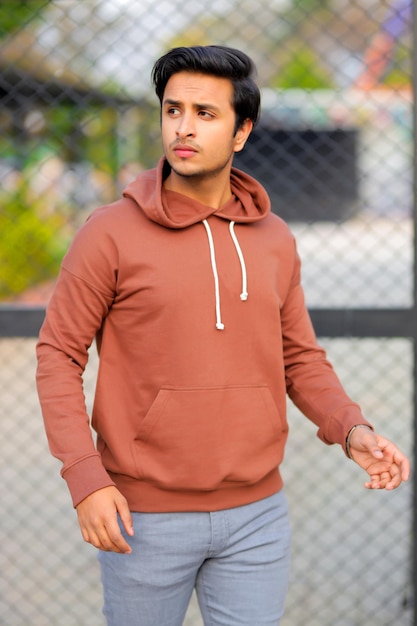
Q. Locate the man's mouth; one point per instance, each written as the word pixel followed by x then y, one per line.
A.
pixel 184 151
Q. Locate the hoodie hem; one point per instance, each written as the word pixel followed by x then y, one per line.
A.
pixel 144 497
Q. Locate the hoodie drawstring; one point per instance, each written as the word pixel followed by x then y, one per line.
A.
pixel 219 324
pixel 244 294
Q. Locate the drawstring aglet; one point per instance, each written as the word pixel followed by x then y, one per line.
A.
pixel 220 326
pixel 244 294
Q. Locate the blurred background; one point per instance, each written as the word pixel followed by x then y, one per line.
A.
pixel 335 148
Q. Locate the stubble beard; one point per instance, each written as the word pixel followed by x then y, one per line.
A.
pixel 203 174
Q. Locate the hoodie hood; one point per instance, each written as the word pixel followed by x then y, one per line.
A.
pixel 249 201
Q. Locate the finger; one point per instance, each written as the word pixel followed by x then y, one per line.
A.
pixel 85 534
pixel 378 479
pixel 113 538
pixel 396 479
pixel 92 538
pixel 126 517
pixel 405 473
pixel 109 542
pixel 374 483
pixel 400 468
pixel 405 468
pixel 386 480
pixel 106 537
pixel 398 457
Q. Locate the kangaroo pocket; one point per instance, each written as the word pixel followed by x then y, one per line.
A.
pixel 196 439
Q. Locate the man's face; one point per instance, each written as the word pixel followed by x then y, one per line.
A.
pixel 198 122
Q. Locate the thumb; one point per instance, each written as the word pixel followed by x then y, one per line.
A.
pixel 365 439
pixel 372 445
pixel 377 453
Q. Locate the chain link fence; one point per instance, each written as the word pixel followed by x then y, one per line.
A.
pixel 334 148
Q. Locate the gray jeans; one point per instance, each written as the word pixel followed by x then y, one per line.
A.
pixel 236 559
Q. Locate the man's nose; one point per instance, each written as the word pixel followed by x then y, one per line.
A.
pixel 185 127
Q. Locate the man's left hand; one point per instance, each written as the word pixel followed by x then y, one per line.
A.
pixel 386 465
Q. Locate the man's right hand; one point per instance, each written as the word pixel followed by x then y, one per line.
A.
pixel 97 516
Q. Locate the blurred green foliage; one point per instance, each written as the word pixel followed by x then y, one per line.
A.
pixel 34 239
pixel 39 212
pixel 98 139
pixel 15 14
pixel 398 75
pixel 303 70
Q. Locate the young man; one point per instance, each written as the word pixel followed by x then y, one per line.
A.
pixel 192 288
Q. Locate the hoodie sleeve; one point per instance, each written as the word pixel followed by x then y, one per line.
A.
pixel 312 383
pixel 82 297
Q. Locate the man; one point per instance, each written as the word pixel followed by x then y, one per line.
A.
pixel 192 288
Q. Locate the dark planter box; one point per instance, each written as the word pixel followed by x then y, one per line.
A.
pixel 310 175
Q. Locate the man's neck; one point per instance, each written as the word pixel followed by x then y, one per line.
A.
pixel 211 191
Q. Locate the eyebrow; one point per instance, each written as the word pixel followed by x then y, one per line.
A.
pixel 197 105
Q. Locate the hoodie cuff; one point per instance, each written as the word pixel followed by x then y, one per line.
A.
pixel 85 477
pixel 339 425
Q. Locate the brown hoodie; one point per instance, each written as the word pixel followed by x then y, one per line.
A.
pixel 201 329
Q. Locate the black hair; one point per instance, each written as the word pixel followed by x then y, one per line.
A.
pixel 214 60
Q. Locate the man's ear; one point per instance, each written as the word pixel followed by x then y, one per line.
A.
pixel 242 134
